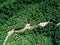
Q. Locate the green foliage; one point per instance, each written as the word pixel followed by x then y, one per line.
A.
pixel 16 13
pixel 35 35
pixel 57 35
pixel 30 39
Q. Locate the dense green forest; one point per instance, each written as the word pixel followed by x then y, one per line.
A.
pixel 16 13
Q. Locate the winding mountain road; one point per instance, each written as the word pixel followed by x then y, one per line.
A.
pixel 28 26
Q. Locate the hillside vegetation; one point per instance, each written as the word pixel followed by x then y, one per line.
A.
pixel 16 13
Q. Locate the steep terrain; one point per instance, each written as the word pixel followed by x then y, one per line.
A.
pixel 17 13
